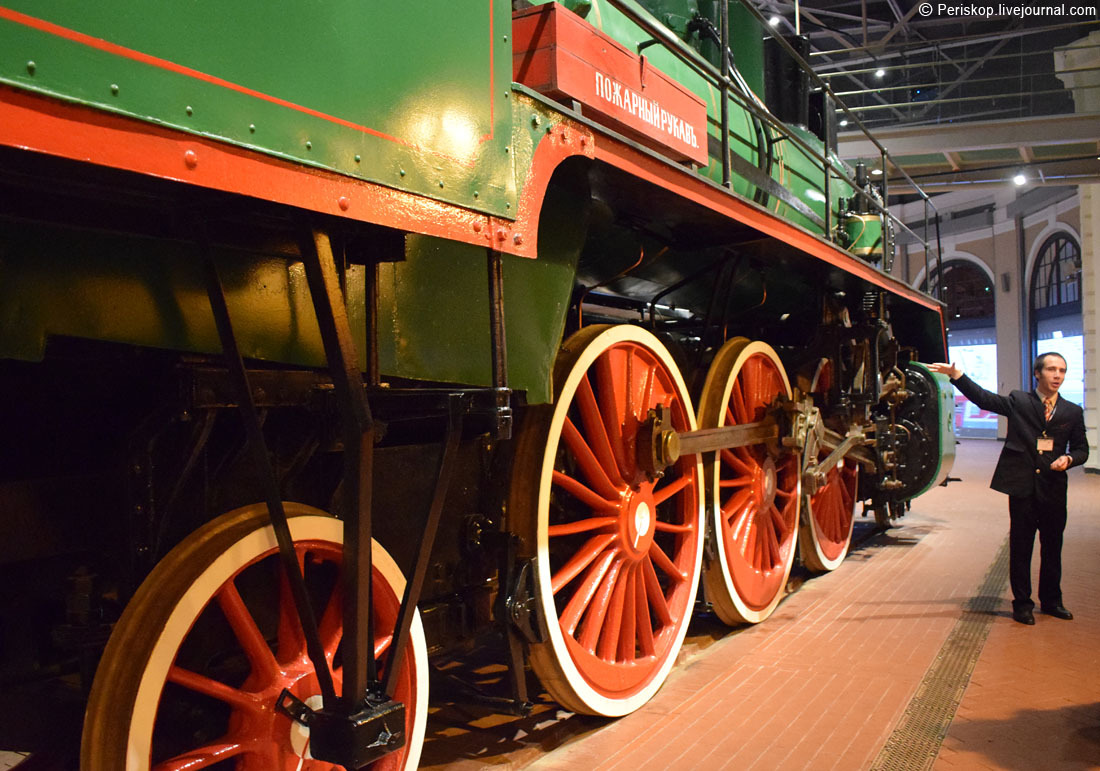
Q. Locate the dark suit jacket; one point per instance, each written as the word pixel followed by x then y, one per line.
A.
pixel 1022 469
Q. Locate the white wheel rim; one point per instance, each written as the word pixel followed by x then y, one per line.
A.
pixel 592 698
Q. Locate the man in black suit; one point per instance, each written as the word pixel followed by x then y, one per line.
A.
pixel 1046 435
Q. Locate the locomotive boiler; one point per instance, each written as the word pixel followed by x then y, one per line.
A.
pixel 336 336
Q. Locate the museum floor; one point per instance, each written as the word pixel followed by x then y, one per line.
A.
pixel 905 657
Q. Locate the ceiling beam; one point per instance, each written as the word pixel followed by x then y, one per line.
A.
pixel 959 137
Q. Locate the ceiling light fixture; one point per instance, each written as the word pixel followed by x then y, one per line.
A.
pixel 844 122
pixel 879 73
pixel 774 21
pixel 1019 179
pixel 876 172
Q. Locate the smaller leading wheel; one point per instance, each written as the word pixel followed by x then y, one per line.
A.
pixel 755 490
pixel 195 665
pixel 828 517
pixel 617 554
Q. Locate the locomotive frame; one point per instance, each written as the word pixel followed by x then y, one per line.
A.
pixel 857 399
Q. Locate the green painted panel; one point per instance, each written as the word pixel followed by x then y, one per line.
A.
pixel 1002 154
pixel 311 81
pixel 906 161
pixel 1065 151
pixel 434 315
pixel 944 426
pixel 55 281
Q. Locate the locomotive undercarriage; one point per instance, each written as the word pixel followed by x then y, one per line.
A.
pixel 182 463
pixel 448 464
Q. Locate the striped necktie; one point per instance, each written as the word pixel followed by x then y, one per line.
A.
pixel 1048 403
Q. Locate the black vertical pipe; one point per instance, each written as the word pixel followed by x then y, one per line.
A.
pixel 360 667
pixel 887 241
pixel 499 351
pixel 724 91
pixel 374 376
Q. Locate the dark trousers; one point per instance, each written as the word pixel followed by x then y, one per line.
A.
pixel 1029 514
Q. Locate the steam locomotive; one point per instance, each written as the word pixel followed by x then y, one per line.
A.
pixel 335 336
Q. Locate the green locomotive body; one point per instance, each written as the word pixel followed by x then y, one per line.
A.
pixel 513 256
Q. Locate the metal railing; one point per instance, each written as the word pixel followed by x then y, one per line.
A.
pixel 729 86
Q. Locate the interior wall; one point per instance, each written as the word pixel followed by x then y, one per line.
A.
pixel 1005 236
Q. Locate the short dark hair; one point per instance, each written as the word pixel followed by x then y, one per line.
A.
pixel 1040 361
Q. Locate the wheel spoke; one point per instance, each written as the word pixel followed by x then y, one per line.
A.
pixel 779 524
pixel 247 633
pixel 669 490
pixel 193 681
pixel 772 534
pixel 595 429
pixel 670 527
pixel 331 628
pixel 203 757
pixel 585 495
pixel 609 637
pixel 291 639
pixel 662 561
pixel 655 593
pixel 736 503
pixel 744 526
pixel 644 623
pixel 583 596
pixel 582 559
pixel 649 384
pixel 593 623
pixel 581 526
pixel 627 639
pixel 589 466
pixel 382 643
pixel 610 387
pixel 730 458
pixel 737 402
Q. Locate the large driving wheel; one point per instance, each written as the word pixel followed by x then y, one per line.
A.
pixel 617 555
pixel 191 675
pixel 755 489
pixel 828 517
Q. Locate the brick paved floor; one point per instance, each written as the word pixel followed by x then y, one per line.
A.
pixel 823 683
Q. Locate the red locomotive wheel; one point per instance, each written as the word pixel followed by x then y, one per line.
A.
pixel 191 675
pixel 617 554
pixel 755 490
pixel 826 531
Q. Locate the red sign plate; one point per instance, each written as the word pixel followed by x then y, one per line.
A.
pixel 559 54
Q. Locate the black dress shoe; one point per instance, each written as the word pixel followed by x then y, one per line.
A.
pixel 1058 611
pixel 1024 616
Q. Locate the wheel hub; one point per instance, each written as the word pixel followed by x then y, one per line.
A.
pixel 767 481
pixel 641 521
pixel 299 734
pixel 636 521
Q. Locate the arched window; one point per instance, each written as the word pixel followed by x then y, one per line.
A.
pixel 971 338
pixel 967 290
pixel 1056 309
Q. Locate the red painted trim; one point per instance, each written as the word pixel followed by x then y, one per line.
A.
pixel 45 125
pixel 690 186
pixel 153 61
pixel 565 140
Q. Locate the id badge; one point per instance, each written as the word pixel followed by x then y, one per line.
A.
pixel 1044 444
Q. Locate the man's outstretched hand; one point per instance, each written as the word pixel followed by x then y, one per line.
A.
pixel 953 371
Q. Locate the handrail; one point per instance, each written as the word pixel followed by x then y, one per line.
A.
pixel 728 87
